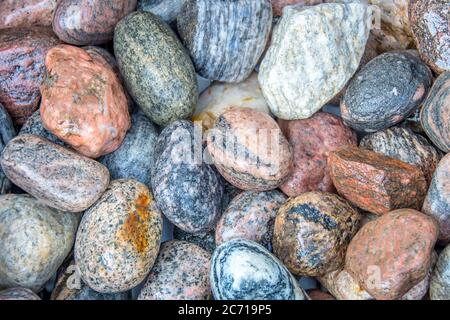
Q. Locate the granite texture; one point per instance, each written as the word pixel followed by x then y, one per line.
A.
pixel 18 294
pixel 88 112
pixel 225 38
pixel 7 132
pixel 60 178
pixel 26 13
pixel 312 232
pixel 158 72
pixel 440 279
pixel 34 241
pixel 181 272
pixel 22 69
pixel 166 10
pixel 87 22
pixel 187 189
pixel 35 126
pixel 205 240
pixel 244 270
pixel 374 182
pixel 278 5
pixel 385 91
pixel 295 83
pixel 118 238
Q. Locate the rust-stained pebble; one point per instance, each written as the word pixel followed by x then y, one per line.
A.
pixel 374 182
pixel 118 238
pixel 18 294
pixel 26 13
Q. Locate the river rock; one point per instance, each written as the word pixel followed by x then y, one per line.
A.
pixel 167 11
pixel 225 38
pixel 34 241
pixel 22 55
pixel 295 83
pixel 60 178
pixel 118 238
pixel 437 201
pixel 396 82
pixel 90 113
pixel 440 279
pixel 250 216
pixel 312 232
pixel 35 126
pixel 434 116
pixel 181 272
pixel 244 270
pixel 278 5
pixel 430 25
pixel 249 150
pixel 403 144
pixel 7 132
pixel 26 13
pixel 136 155
pixel 312 140
pixel 374 182
pixel 86 22
pixel 187 189
pixel 18 294
pixel 165 86
pixel 392 254
pixel 221 97
pixel 205 240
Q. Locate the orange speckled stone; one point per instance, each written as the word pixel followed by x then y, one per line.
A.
pixel 374 182
pixel 393 253
pixel 83 102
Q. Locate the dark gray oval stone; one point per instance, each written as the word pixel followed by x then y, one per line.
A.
pixel 385 91
pixel 34 126
pixel 7 132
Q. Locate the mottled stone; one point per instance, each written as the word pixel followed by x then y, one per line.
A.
pixel 205 240
pixel 278 5
pixel 26 13
pixel 312 232
pixel 440 279
pixel 430 25
pixel 316 294
pixel 18 294
pixel 167 11
pixel 392 254
pixel 187 189
pixel 244 270
pixel 435 113
pixel 403 144
pixel 374 182
pixel 249 150
pixel 7 132
pixel 118 238
pixel 22 68
pixel 250 215
pixel 181 272
pixel 34 241
pixel 35 126
pixel 385 91
pixel 437 201
pixel 58 177
pixel 90 113
pixel 225 38
pixel 295 83
pixel 86 22
pixel 312 140
pixel 221 97
pixel 136 155
pixel 158 72
pixel 343 286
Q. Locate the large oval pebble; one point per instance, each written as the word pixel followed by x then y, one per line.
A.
pixel 7 132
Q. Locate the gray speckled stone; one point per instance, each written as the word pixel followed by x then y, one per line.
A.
pixel 135 155
pixel 205 240
pixel 157 70
pixel 34 126
pixel 244 270
pixel 385 91
pixel 7 132
pixel 167 10
pixel 181 272
pixel 314 52
pixel 118 238
pixel 58 177
pixel 225 38
pixel 440 279
pixel 34 241
pixel 188 190
pixel 18 294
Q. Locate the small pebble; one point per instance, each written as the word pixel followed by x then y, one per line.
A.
pixel 7 132
pixel 35 127
pixel 319 295
pixel 205 240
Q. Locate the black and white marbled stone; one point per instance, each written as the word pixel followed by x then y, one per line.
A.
pixel 118 238
pixel 385 91
pixel 34 125
pixel 34 241
pixel 167 10
pixel 440 279
pixel 157 70
pixel 187 190
pixel 244 270
pixel 135 156
pixel 18 294
pixel 7 132
pixel 225 38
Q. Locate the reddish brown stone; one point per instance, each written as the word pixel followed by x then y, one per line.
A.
pixel 83 102
pixel 374 182
pixel 319 295
pixel 26 13
pixel 278 5
pixel 312 140
pixel 393 253
pixel 22 69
